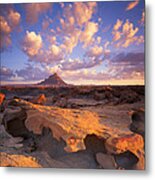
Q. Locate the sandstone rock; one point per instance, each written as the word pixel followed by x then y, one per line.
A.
pixel 2 97
pixel 106 161
pixel 133 143
pixel 16 160
pixel 41 99
pixel 73 126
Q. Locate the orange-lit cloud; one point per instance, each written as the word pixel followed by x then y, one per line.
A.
pixel 83 11
pixel 32 43
pixel 7 25
pixel 126 35
pixel 118 25
pixel 71 41
pixel 95 51
pixel 77 17
pixel 87 35
pixel 33 11
pixel 132 5
pixel 14 18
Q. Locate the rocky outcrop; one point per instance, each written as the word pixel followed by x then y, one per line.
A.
pixel 79 130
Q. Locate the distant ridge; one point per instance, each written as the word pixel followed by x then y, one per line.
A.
pixel 54 80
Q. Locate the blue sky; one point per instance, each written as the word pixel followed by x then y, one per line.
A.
pixel 80 41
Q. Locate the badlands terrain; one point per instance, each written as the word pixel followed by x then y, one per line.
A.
pixel 63 126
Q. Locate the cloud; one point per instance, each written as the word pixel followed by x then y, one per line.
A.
pixel 70 42
pixel 126 35
pixel 87 35
pixel 37 51
pixel 6 73
pixel 45 24
pixel 4 34
pixel 75 24
pixel 95 51
pixel 76 64
pixel 130 65
pixel 14 18
pixel 83 11
pixel 132 5
pixel 117 25
pixel 7 25
pixel 142 18
pixel 32 43
pixel 34 10
pixel 32 73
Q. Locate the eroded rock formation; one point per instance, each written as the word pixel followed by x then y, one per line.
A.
pixel 79 130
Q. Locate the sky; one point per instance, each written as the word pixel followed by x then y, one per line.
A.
pixel 100 43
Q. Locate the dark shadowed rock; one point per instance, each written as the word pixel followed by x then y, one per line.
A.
pixel 138 121
pixel 126 160
pixel 14 121
pixel 106 161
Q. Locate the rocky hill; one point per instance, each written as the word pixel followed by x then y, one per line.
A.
pixel 53 80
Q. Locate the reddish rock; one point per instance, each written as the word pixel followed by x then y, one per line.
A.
pixel 41 99
pixel 2 97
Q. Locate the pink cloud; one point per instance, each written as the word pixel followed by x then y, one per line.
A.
pixel 118 25
pixel 14 18
pixel 132 5
pixel 86 36
pixel 32 43
pixel 126 35
pixel 83 11
pixel 7 25
pixel 34 10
